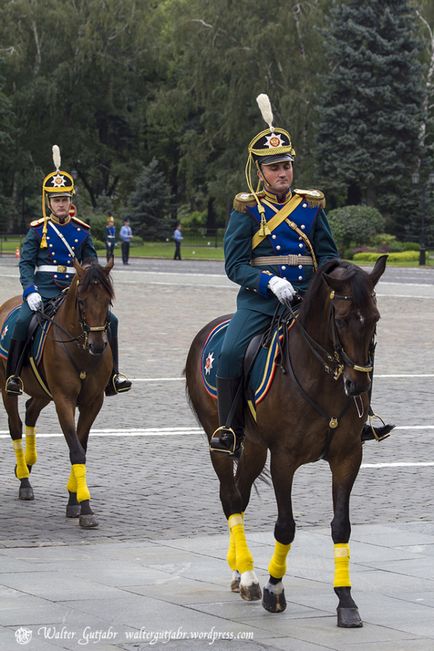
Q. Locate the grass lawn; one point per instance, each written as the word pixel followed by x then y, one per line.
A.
pixel 165 250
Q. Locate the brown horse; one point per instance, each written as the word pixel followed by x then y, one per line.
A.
pixel 75 368
pixel 316 409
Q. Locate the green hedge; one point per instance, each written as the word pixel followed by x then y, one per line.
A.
pixel 402 256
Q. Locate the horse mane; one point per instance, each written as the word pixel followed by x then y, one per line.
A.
pixel 361 288
pixel 95 274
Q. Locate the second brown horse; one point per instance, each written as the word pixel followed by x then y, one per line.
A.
pixel 315 410
pixel 75 367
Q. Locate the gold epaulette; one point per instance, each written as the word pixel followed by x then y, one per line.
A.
pixel 313 198
pixel 244 199
pixel 37 222
pixel 78 221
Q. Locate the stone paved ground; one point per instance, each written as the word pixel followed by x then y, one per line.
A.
pixel 164 486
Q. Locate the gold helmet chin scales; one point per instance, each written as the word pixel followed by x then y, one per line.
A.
pixel 56 184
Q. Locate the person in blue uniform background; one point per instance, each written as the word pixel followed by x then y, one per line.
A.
pixel 110 237
pixel 46 269
pixel 276 238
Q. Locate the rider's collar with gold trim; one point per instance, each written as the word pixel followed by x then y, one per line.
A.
pixel 273 198
pixel 57 221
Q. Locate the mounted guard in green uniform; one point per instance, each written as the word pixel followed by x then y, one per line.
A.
pixel 46 269
pixel 276 238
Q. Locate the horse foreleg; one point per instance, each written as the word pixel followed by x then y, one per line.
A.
pixel 16 432
pixel 77 507
pixel 344 474
pixel 284 531
pixel 77 482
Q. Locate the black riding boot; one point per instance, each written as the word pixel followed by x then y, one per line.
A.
pixel 369 432
pixel 229 436
pixel 118 383
pixel 14 384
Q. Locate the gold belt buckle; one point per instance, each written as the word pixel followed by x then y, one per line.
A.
pixel 61 269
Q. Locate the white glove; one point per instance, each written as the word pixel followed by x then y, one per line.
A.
pixel 282 288
pixel 35 301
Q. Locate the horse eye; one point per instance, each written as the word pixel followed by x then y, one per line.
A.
pixel 341 323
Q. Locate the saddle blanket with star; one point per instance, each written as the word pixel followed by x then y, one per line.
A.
pixel 261 374
pixel 38 339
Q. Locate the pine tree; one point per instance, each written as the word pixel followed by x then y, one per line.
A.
pixel 370 113
pixel 6 147
pixel 149 204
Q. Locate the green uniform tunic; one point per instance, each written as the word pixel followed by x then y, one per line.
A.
pixel 50 270
pixel 256 304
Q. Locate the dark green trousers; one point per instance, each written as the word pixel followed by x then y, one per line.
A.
pixel 244 325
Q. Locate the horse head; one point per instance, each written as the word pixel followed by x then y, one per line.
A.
pixel 354 316
pixel 94 294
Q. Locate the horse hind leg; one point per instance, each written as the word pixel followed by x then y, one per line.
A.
pixel 249 468
pixel 34 406
pixel 249 584
pixel 16 432
pixel 239 556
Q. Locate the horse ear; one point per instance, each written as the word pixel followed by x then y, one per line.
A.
pixel 78 268
pixel 109 265
pixel 337 284
pixel 378 269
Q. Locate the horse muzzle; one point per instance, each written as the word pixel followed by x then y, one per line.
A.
pixel 354 386
pixel 97 347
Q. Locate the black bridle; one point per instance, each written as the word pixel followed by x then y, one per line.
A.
pixel 333 363
pixel 82 339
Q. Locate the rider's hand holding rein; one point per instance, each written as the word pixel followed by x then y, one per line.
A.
pixel 282 288
pixel 34 301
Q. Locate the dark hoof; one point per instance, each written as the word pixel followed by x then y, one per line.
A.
pixel 73 510
pixel 235 583
pixel 88 521
pixel 250 592
pixel 274 603
pixel 26 493
pixel 349 618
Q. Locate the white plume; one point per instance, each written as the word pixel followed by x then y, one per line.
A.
pixel 56 157
pixel 265 108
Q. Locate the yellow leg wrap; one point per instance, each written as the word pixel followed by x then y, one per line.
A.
pixel 72 482
pixel 244 559
pixel 342 566
pixel 22 470
pixel 231 555
pixel 79 470
pixel 31 454
pixel 277 565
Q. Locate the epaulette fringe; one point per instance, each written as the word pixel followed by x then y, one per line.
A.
pixel 78 221
pixel 313 198
pixel 243 200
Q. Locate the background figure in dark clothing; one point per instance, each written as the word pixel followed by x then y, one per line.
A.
pixel 177 236
pixel 110 237
pixel 126 234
